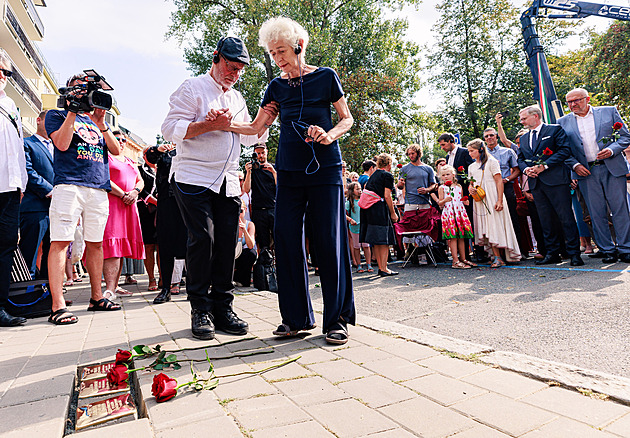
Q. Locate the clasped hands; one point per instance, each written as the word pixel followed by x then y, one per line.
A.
pixel 534 171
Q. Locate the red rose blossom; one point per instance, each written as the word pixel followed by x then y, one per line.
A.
pixel 448 183
pixel 164 388
pixel 464 198
pixel 460 169
pixel 399 165
pixel 117 375
pixel 122 357
pixel 618 125
pixel 547 152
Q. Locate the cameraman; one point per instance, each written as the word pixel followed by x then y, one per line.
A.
pixel 261 178
pixel 82 143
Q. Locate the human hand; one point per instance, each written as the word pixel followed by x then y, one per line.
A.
pixel 529 196
pixel 394 217
pixel 582 170
pixel 423 190
pixel 447 199
pixel 499 205
pixel 603 154
pixel 268 167
pixel 98 117
pixel 166 147
pixel 531 172
pixel 353 222
pixel 499 118
pixel 271 109
pixel 241 224
pixel 248 166
pixel 472 190
pixel 319 135
pixel 574 184
pixel 222 121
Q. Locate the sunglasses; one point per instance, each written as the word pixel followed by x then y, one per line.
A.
pixel 122 140
pixel 6 73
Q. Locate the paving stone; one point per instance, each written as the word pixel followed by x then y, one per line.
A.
pixel 574 405
pixel 179 411
pixel 362 354
pixel 480 431
pixel 296 345
pixel 288 371
pixel 32 388
pixel 507 415
pixel 452 367
pixel 224 427
pixel 307 429
pixel 410 350
pixel 243 387
pixel 397 369
pixel 508 383
pixel 392 433
pixel 444 390
pixel 376 391
pixel 339 370
pixel 620 426
pixel 349 418
pixel 310 391
pixel 372 338
pixel 565 427
pixel 44 418
pixel 264 412
pixel 427 419
pixel 316 355
pixel 140 428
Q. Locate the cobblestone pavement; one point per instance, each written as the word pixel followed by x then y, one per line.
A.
pixel 383 383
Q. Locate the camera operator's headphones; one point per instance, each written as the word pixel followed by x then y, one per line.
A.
pixel 216 55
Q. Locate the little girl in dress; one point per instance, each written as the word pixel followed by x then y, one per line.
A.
pixel 455 222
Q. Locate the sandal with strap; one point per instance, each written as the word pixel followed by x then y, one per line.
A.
pixel 338 334
pixel 175 289
pixel 123 292
pixel 497 262
pixel 284 330
pixel 152 285
pixel 62 317
pixel 469 263
pixel 102 305
pixel 460 265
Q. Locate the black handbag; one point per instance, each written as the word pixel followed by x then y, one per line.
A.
pixel 265 272
pixel 28 298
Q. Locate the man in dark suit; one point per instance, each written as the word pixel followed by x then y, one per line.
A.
pixel 541 157
pixel 34 220
pixel 600 169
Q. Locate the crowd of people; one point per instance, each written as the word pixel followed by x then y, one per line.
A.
pixel 553 188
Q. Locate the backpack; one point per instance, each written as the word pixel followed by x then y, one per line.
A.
pixel 265 272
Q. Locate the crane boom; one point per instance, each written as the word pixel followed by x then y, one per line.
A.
pixel 544 91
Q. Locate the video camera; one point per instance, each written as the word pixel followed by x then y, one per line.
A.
pixel 255 162
pixel 83 98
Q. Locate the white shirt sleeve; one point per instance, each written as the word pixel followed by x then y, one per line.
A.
pixel 183 111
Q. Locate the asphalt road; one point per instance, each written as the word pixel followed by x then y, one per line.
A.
pixel 579 316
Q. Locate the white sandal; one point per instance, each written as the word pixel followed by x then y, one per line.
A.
pixel 109 295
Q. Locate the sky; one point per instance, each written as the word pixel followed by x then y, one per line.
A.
pixel 133 55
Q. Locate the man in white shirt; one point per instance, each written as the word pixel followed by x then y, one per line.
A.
pixel 599 166
pixel 204 177
pixel 13 180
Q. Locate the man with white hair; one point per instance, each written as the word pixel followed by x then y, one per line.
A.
pixel 598 138
pixel 13 179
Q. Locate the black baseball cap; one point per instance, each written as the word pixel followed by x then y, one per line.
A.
pixel 233 49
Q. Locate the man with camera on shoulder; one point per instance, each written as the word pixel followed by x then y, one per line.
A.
pixel 261 178
pixel 83 141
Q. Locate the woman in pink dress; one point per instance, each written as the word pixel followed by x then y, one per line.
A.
pixel 123 235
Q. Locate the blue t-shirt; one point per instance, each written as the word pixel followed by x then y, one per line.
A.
pixel 416 177
pixel 356 215
pixel 308 103
pixel 85 162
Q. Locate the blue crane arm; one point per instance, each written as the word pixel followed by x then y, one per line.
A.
pixel 544 91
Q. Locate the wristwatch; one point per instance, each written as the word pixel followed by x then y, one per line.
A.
pixel 137 189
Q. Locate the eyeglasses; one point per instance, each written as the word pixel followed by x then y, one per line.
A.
pixel 6 73
pixel 489 135
pixel 571 102
pixel 122 140
pixel 232 68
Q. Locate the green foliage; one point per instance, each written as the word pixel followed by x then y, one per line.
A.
pixel 377 67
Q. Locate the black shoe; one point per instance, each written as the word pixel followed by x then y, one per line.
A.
pixel 228 322
pixel 597 255
pixel 163 297
pixel 387 274
pixel 549 260
pixel 7 320
pixel 565 255
pixel 624 258
pixel 576 260
pixel 610 258
pixel 201 323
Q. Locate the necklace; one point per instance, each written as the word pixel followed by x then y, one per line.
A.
pixel 295 82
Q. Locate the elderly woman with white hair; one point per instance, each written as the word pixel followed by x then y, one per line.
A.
pixel 308 163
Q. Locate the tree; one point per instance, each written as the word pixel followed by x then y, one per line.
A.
pixel 377 68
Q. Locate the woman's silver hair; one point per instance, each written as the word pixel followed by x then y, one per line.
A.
pixel 5 61
pixel 282 29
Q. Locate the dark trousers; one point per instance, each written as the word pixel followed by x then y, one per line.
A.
pixel 171 236
pixel 510 198
pixel 35 229
pixel 243 266
pixel 9 225
pixel 330 241
pixel 556 199
pixel 263 219
pixel 212 223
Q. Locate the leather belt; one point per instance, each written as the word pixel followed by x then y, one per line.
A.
pixel 595 163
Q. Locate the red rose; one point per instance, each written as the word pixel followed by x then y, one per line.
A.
pixel 399 165
pixel 618 125
pixel 547 152
pixel 464 198
pixel 117 375
pixel 164 388
pixel 448 183
pixel 460 169
pixel 122 357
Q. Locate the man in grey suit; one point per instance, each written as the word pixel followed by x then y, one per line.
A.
pixel 600 169
pixel 34 220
